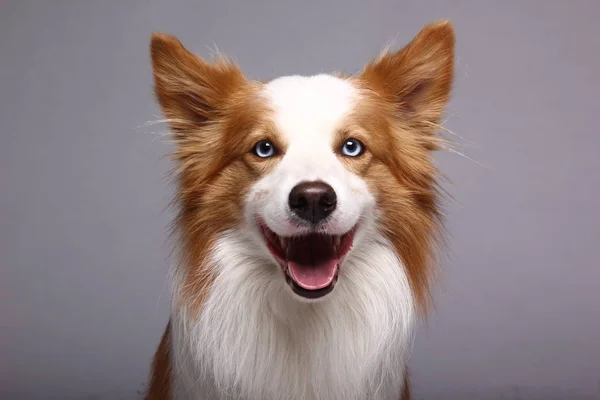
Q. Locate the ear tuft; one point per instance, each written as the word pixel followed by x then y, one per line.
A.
pixel 161 43
pixel 418 78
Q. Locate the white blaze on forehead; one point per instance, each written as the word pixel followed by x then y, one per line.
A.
pixel 308 113
pixel 309 110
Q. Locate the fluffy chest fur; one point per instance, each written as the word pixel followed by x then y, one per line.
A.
pixel 351 346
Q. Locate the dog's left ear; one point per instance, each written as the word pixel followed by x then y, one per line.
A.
pixel 418 78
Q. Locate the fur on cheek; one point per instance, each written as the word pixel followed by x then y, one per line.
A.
pixel 207 208
pixel 410 220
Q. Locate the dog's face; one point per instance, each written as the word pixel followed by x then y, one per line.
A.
pixel 308 206
pixel 308 167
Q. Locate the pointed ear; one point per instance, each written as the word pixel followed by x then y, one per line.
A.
pixel 418 78
pixel 190 90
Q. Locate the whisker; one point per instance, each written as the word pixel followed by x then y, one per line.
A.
pixel 443 128
pixel 451 150
pixel 452 146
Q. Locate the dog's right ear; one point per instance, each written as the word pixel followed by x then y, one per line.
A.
pixel 190 90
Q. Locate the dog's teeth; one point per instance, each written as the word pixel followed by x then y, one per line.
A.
pixel 283 243
pixel 336 241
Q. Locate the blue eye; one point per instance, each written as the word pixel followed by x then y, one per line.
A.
pixel 264 149
pixel 352 148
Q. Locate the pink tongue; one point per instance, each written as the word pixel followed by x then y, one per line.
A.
pixel 312 261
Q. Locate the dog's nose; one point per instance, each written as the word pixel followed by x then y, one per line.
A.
pixel 312 201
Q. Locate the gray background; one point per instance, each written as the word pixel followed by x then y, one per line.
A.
pixel 84 191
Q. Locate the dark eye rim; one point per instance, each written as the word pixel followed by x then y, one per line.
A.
pixel 273 147
pixel 360 143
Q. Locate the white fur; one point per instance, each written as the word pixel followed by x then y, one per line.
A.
pixel 308 113
pixel 256 339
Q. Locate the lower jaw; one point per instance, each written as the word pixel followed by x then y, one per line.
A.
pixel 310 294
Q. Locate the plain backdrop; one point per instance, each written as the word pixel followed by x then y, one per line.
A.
pixel 84 188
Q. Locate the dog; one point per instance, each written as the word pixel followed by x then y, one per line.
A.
pixel 309 214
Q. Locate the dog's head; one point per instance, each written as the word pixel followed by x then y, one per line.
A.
pixel 307 167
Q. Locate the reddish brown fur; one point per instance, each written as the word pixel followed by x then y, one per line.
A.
pixel 216 116
pixel 212 111
pixel 408 92
pixel 405 388
pixel 160 381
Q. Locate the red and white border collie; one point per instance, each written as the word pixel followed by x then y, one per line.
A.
pixel 308 218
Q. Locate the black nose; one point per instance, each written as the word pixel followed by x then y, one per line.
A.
pixel 312 201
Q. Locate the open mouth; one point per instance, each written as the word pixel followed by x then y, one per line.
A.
pixel 311 262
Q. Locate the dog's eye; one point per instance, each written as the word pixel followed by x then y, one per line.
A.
pixel 264 149
pixel 352 148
